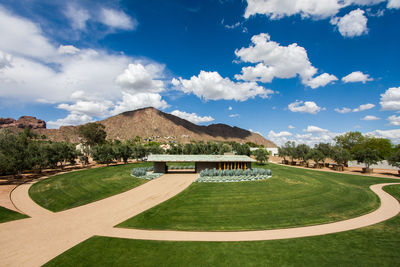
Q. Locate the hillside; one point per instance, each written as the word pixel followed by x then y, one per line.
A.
pixel 152 124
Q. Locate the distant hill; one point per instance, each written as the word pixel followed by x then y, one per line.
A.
pixel 152 124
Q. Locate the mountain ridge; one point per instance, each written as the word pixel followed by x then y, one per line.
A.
pixel 152 124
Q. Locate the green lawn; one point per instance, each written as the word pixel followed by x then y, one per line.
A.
pixel 7 215
pixel 292 197
pixel 376 245
pixel 74 189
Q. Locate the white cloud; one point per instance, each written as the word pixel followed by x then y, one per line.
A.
pixel 291 127
pixel 370 118
pixel 68 49
pixel 304 107
pixel 139 78
pixel 321 80
pixel 393 135
pixel 276 61
pixel 394 120
pixel 117 19
pixel 139 100
pixel 77 16
pixel 357 76
pixel 314 129
pixel 276 9
pixel 364 107
pixel 390 100
pixel 90 108
pixel 343 110
pixel 23 38
pixel 352 24
pixel 71 119
pixel 234 115
pixel 230 108
pixel 192 117
pixel 211 86
pixel 393 4
pixel 81 81
pixel 272 134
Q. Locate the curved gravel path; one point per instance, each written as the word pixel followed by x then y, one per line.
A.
pixel 36 240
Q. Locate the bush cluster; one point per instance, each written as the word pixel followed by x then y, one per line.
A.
pixel 180 167
pixel 239 175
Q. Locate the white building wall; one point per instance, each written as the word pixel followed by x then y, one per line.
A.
pixel 381 165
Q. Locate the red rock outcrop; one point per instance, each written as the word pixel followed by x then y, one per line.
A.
pixel 23 122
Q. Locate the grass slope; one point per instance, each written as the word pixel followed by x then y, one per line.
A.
pixel 375 245
pixel 7 215
pixel 292 197
pixel 74 189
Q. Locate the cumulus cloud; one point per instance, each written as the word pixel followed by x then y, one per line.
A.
pixel 393 4
pixel 314 129
pixel 276 61
pixel 364 107
pixel 321 80
pixel 139 100
pixel 390 100
pixel 394 120
pixel 87 83
pixel 234 115
pixel 280 134
pixel 393 135
pixel 305 107
pixel 276 9
pixel 291 127
pixel 68 49
pixel 229 108
pixel 192 117
pixel 139 78
pixel 343 110
pixel 71 119
pixel 370 118
pixel 352 24
pixel 117 19
pixel 211 86
pixel 357 76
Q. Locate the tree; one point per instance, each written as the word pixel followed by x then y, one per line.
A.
pixel 368 156
pixel 349 140
pixel 302 151
pixel 93 134
pixel 341 156
pixel 282 152
pixel 103 153
pixel 290 150
pixel 261 155
pixel 139 151
pixel 224 148
pixel 316 155
pixel 383 146
pixel 394 159
pixel 123 151
pixel 325 149
pixel 175 149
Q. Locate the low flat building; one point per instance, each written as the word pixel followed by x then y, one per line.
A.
pixel 201 162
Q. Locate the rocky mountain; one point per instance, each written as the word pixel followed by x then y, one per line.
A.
pixel 22 122
pixel 155 125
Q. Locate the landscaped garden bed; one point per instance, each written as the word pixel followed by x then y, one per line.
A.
pixel 228 176
pixel 145 173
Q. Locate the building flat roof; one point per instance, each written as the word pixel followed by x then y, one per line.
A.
pixel 199 158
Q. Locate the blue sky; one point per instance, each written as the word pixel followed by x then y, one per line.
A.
pixel 288 69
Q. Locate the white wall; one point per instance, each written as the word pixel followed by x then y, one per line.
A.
pixel 381 165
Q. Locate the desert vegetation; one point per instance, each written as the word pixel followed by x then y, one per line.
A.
pixel 364 149
pixel 227 176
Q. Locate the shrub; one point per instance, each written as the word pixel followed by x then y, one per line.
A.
pixel 139 172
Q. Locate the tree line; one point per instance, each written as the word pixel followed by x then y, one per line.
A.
pixel 26 151
pixel 364 149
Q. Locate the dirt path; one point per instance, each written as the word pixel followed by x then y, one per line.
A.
pixel 36 240
pixel 5 201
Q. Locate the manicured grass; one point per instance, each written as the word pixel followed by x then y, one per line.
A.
pixel 376 245
pixel 74 189
pixel 292 197
pixel 7 215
